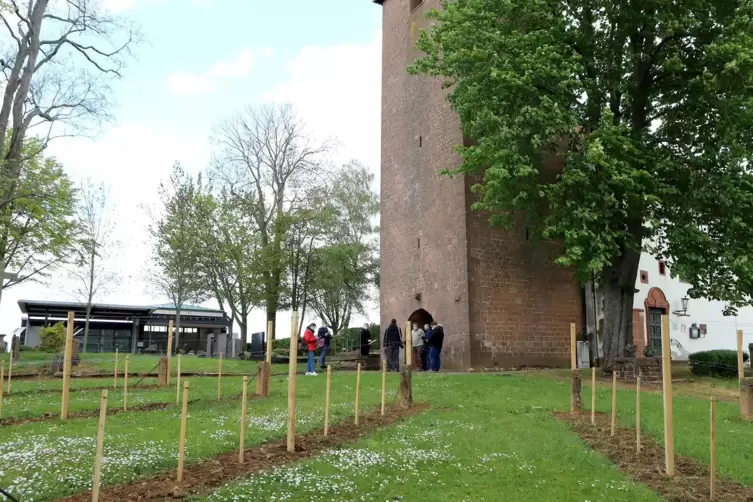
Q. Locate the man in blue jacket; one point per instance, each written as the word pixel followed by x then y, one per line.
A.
pixel 435 342
pixel 323 337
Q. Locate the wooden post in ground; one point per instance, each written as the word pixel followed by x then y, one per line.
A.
pixel 614 402
pixel 162 372
pixel 638 415
pixel 265 367
pixel 183 423
pixel 384 383
pixel 746 399
pixel 177 383
pixel 406 386
pixel 169 349
pixel 358 390
pixel 125 385
pixel 2 381
pixel 712 445
pixel 408 343
pixel 593 395
pixel 10 370
pixel 219 378
pixel 115 372
pixel 100 446
pixel 244 403
pixel 270 340
pixel 327 400
pixel 740 362
pixel 292 370
pixel 669 437
pixel 576 399
pixel 66 367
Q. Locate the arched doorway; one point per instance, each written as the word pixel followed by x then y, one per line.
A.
pixel 656 306
pixel 421 317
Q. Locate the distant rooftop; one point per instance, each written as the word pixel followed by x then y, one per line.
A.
pixel 100 310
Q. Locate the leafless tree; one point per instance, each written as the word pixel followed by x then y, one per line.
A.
pixel 265 159
pixel 93 273
pixel 58 58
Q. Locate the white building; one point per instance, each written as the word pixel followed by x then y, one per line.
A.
pixel 660 294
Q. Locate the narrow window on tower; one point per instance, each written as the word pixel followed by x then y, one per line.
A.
pixel 662 268
pixel 528 235
pixel 415 4
pixel 418 242
pixel 420 141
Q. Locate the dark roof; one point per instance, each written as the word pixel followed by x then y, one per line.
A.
pixel 192 308
pixel 99 310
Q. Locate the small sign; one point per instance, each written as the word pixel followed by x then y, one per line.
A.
pixel 684 328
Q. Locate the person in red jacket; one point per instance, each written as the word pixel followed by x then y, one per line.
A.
pixel 309 338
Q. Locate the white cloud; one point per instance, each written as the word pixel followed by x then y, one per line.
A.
pixel 185 84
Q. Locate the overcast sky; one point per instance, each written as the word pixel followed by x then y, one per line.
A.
pixel 205 59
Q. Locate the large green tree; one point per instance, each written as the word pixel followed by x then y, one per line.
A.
pixel 646 110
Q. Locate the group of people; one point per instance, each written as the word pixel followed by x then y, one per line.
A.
pixel 426 345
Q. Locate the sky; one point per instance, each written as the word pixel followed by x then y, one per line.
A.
pixel 203 60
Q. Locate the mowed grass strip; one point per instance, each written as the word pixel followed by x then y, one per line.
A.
pixel 485 438
pixel 46 461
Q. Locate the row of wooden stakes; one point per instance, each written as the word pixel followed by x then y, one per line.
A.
pixel 243 413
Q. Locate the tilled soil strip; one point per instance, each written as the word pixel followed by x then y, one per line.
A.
pixel 691 480
pixel 83 389
pixel 218 471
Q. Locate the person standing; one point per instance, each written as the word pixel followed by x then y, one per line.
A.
pixel 365 340
pixel 323 337
pixel 435 345
pixel 310 340
pixel 425 348
pixel 392 342
pixel 417 341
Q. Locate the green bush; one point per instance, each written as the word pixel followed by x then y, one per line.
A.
pixel 715 363
pixel 53 338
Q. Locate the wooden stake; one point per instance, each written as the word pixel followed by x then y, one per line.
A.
pixel 10 370
pixel 100 446
pixel 740 363
pixel 169 349
pixel 177 384
pixel 593 396
pixel 358 390
pixel 573 357
pixel 66 367
pixel 125 385
pixel 115 373
pixel 270 332
pixel 219 378
pixel 408 343
pixel 327 399
pixel 712 445
pixel 183 423
pixel 638 415
pixel 746 399
pixel 614 402
pixel 292 370
pixel 244 402
pixel 384 383
pixel 669 438
pixel 2 371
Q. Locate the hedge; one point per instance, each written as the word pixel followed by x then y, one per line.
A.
pixel 715 363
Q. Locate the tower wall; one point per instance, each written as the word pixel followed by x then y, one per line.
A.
pixel 499 297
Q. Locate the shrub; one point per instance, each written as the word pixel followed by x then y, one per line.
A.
pixel 53 338
pixel 716 363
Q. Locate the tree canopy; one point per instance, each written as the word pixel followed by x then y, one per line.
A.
pixel 615 127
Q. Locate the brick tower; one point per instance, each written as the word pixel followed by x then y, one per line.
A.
pixel 501 299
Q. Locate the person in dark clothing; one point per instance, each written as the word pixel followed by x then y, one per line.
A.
pixel 393 341
pixel 425 351
pixel 435 345
pixel 365 340
pixel 323 337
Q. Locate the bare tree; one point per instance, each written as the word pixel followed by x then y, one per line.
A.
pixel 93 273
pixel 264 157
pixel 176 243
pixel 57 60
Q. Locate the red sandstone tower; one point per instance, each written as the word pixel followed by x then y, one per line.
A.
pixel 501 299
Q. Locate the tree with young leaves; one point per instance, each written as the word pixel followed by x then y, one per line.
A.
pixel 177 248
pixel 265 159
pixel 93 273
pixel 649 108
pixel 38 226
pixel 345 266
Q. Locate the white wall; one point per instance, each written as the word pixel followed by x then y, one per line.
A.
pixel 721 330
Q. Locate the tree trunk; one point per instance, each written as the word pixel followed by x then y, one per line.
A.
pixel 244 334
pixel 86 326
pixel 272 301
pixel 177 331
pixel 619 289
